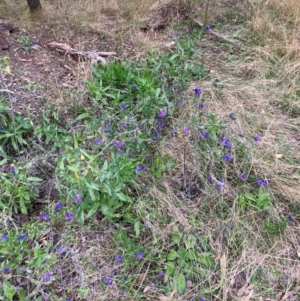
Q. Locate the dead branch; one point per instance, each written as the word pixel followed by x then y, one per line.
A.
pixel 217 35
pixel 93 56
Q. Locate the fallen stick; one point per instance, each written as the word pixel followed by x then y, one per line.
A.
pixel 217 35
pixel 94 56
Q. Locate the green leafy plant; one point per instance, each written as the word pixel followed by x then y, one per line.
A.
pixel 26 42
pixel 261 201
pixel 24 249
pixel 13 130
pixel 17 190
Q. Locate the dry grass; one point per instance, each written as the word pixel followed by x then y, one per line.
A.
pixel 275 30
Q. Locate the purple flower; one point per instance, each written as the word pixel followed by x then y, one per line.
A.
pixel 69 215
pixel 107 131
pixel 168 144
pixel 262 182
pixel 12 170
pixel 45 297
pixel 47 277
pixel 197 91
pixel 222 181
pixel 135 87
pixel 291 218
pixel 227 157
pixel 78 198
pixel 185 130
pixel 1 127
pixel 120 144
pixel 174 133
pixel 58 206
pixel 4 237
pixel 147 156
pixel 156 132
pixel 226 143
pixel 208 27
pixel 119 258
pixel 202 299
pixel 44 217
pixel 179 102
pixel 175 34
pixel 139 256
pixel 210 179
pixel 243 177
pixel 97 142
pixel 204 134
pixel 109 280
pixel 256 138
pixel 162 113
pixel 201 106
pixel 162 123
pixel 161 274
pixel 232 116
pixel 123 125
pixel 5 271
pixel 68 299
pixel 219 187
pixel 155 121
pixel 139 168
pixel 242 135
pixel 122 107
pixel 21 237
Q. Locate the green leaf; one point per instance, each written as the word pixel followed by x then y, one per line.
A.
pixel 3 161
pixel 170 268
pixel 250 196
pixel 176 238
pixel 181 283
pixel 182 252
pixel 92 194
pixel 123 197
pixel 9 290
pixel 172 255
pixel 181 262
pixel 206 259
pixel 92 211
pixel 80 117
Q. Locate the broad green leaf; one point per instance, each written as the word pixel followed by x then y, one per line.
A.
pixel 181 283
pixel 250 196
pixel 172 255
pixel 170 268
pixel 206 259
pixel 123 197
pixel 3 161
pixel 9 290
pixel 92 194
pixel 176 238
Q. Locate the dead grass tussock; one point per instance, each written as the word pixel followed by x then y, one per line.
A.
pixel 275 30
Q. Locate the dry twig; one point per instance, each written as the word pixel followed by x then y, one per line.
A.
pixel 94 56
